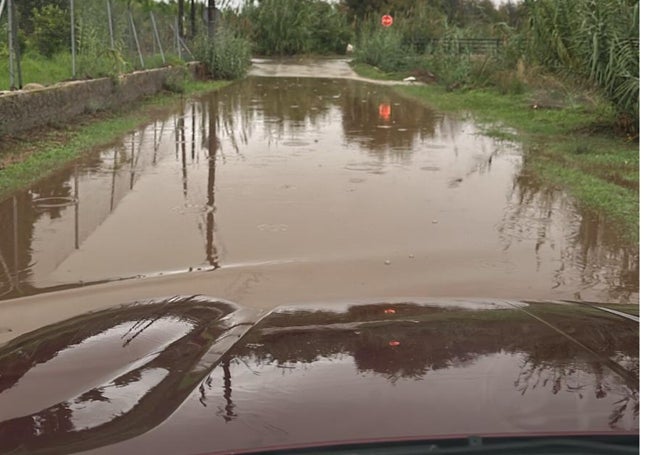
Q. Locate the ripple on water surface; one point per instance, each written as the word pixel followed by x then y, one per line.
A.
pixel 208 184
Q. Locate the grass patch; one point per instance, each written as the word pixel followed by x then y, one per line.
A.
pixel 573 147
pixel 371 72
pixel 47 71
pixel 39 69
pixel 25 160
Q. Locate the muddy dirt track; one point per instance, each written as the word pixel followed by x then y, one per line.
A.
pixel 299 184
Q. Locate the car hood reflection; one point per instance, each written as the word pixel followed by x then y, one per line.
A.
pixel 194 374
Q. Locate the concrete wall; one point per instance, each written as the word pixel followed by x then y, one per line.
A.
pixel 24 110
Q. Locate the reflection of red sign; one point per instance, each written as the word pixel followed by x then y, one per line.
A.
pixel 384 111
pixel 386 20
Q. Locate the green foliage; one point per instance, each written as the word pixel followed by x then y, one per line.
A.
pixel 330 31
pixel 289 27
pixel 591 39
pixel 445 59
pixel 39 69
pixel 27 10
pixel 449 62
pixel 421 24
pixel 382 48
pixel 226 56
pixel 51 29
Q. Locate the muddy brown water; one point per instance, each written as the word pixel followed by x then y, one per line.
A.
pixel 318 175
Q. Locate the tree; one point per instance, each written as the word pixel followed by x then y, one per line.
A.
pixel 26 10
pixel 181 14
pixel 51 28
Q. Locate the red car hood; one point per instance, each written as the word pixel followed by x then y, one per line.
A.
pixel 193 375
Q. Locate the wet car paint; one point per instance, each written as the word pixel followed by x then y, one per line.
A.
pixel 226 377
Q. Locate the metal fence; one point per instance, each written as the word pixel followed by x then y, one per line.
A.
pixel 106 37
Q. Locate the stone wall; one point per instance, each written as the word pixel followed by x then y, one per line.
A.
pixel 25 110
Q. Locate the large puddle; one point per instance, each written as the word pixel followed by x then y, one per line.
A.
pixel 273 171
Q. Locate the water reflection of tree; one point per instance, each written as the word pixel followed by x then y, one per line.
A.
pixel 287 106
pixel 430 339
pixel 593 250
pixel 19 214
pixel 393 137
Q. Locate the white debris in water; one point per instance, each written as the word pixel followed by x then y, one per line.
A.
pixel 387 262
pixel 411 256
pixel 435 221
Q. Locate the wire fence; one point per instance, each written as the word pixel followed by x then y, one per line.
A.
pixel 458 45
pixel 98 38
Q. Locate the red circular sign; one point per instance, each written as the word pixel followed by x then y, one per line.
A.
pixel 386 20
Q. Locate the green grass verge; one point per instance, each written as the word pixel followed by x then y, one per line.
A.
pixel 38 69
pixel 365 70
pixel 573 148
pixel 31 159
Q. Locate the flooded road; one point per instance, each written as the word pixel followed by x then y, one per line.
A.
pixel 293 189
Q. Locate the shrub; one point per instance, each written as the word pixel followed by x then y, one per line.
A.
pixel 595 40
pixel 226 56
pixel 289 27
pixel 382 48
pixel 330 31
pixel 51 29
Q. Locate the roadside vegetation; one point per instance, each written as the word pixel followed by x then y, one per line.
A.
pixel 105 44
pixel 290 27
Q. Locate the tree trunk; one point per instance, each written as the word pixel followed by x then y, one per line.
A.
pixel 211 18
pixel 193 18
pixel 181 13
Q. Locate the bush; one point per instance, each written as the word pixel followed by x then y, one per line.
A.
pixel 594 40
pixel 51 30
pixel 289 27
pixel 420 24
pixel 330 30
pixel 227 56
pixel 382 48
